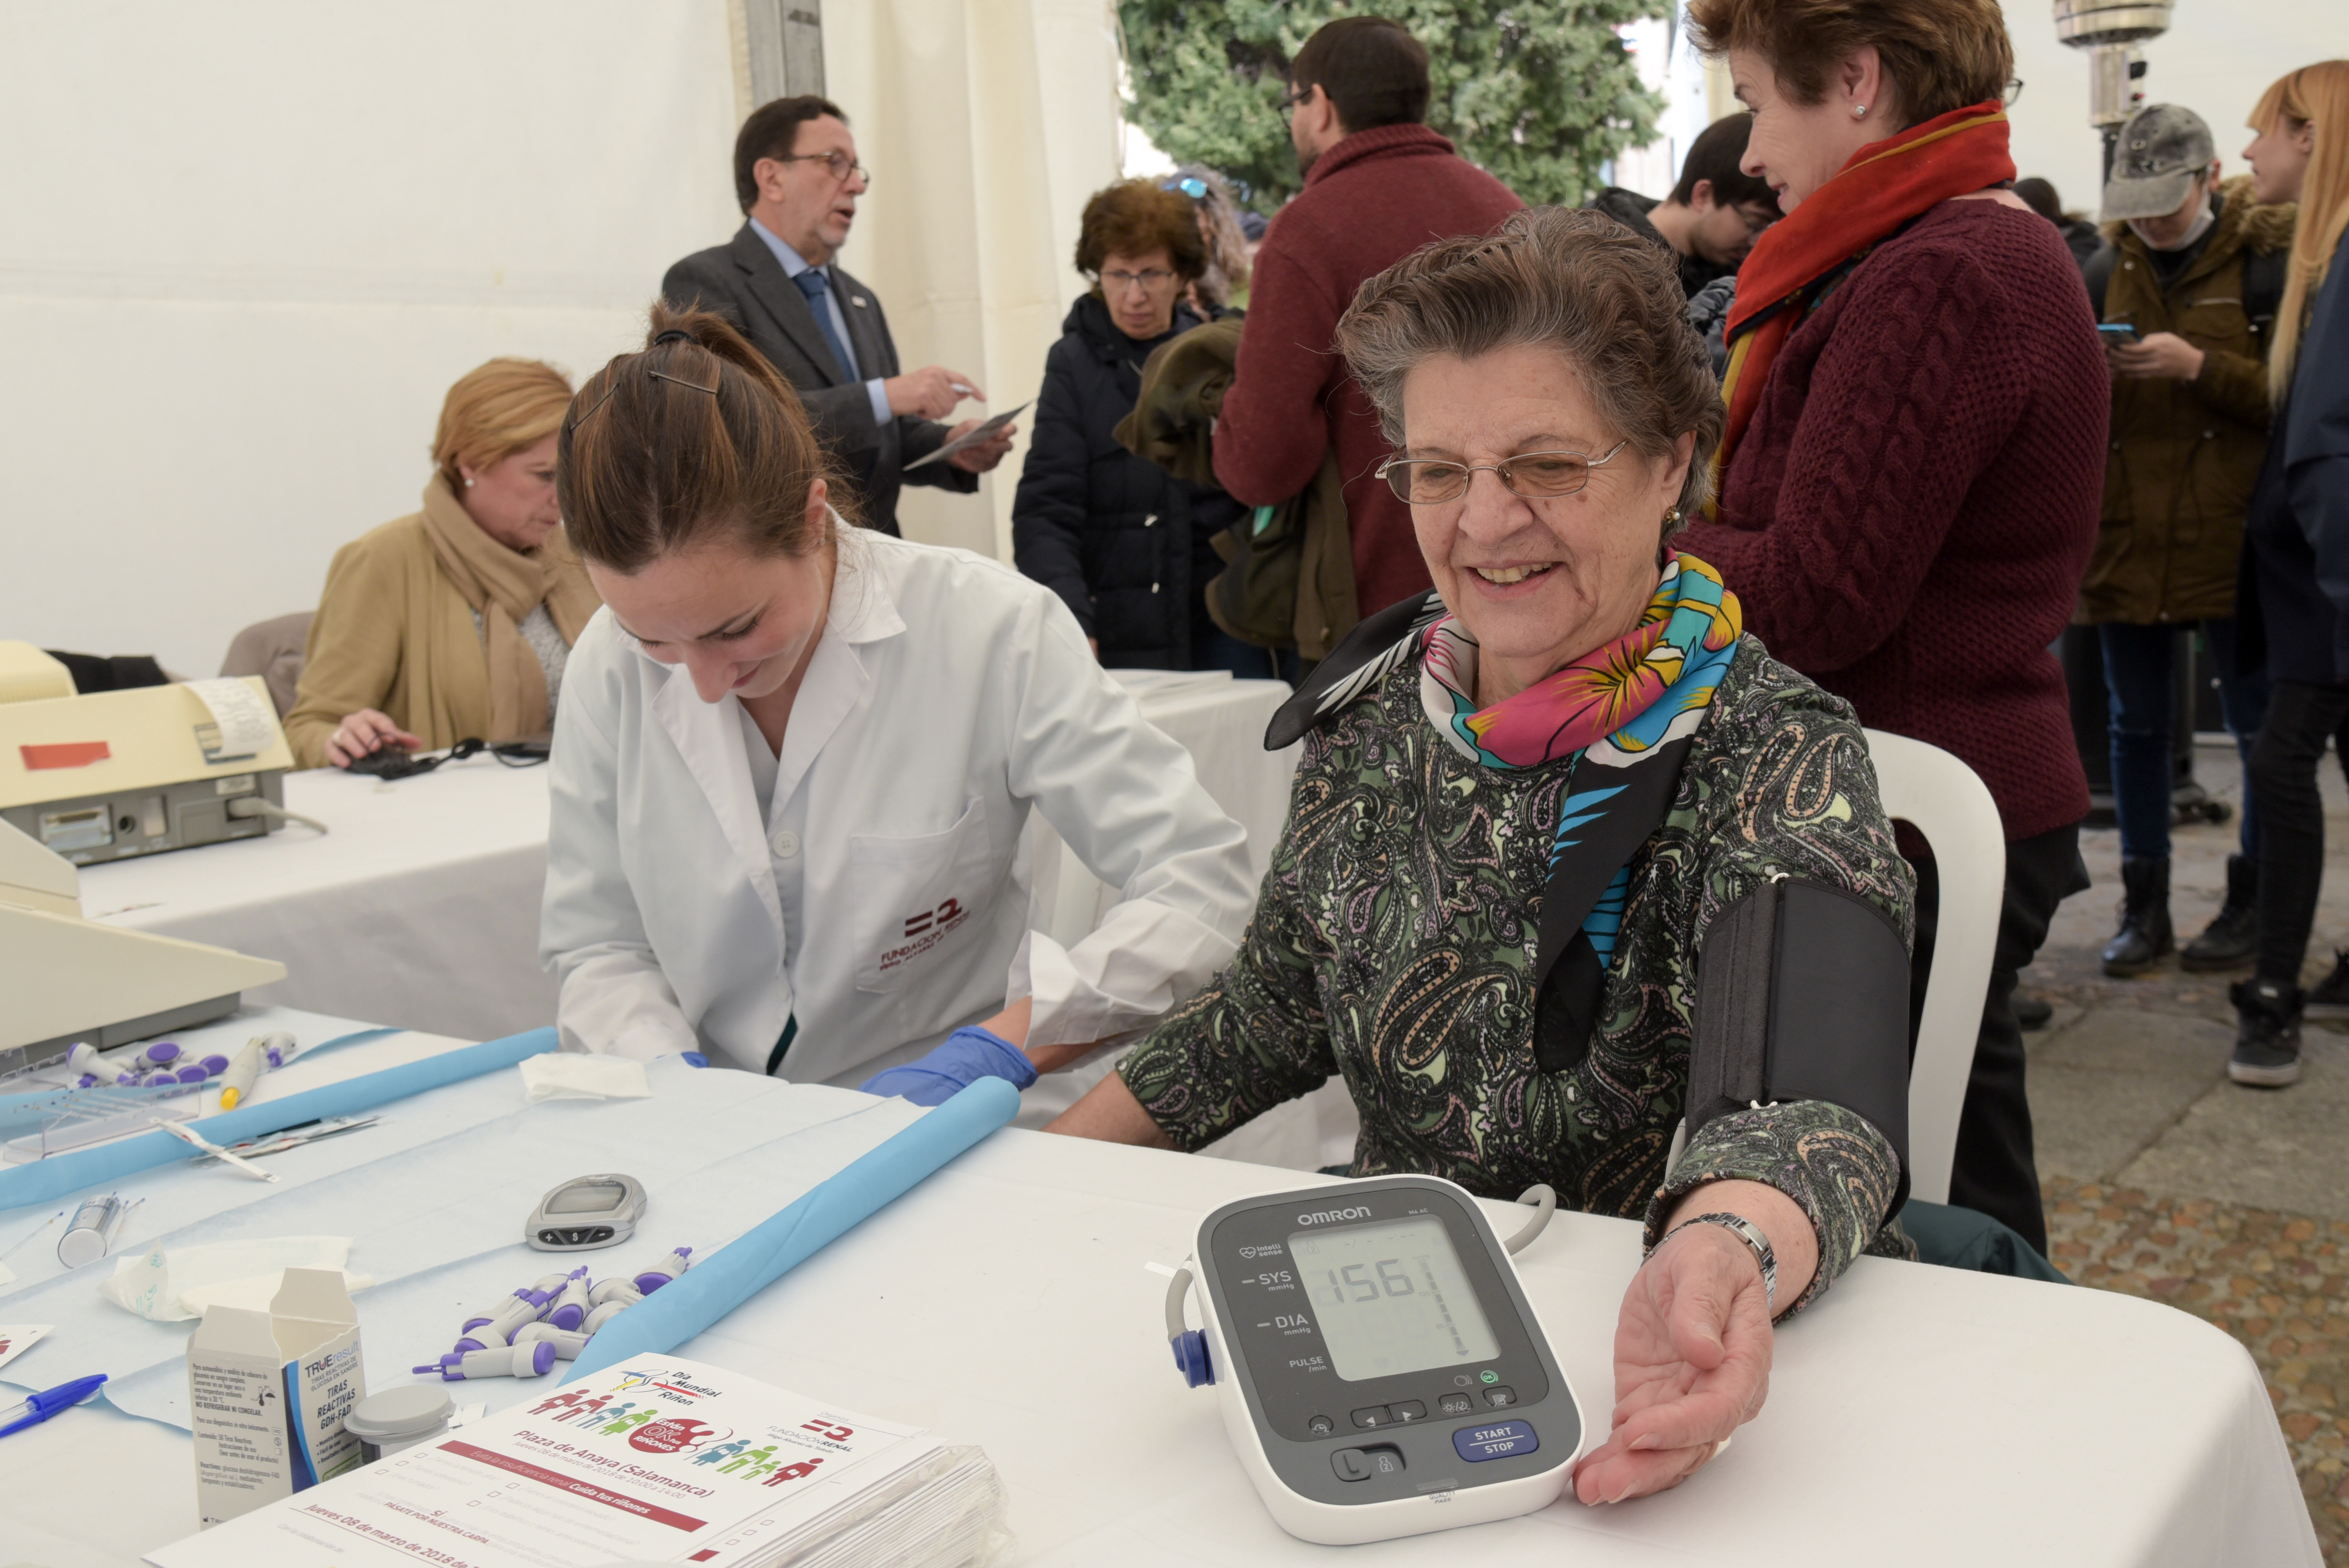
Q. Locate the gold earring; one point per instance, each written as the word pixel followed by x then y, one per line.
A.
pixel 1672 518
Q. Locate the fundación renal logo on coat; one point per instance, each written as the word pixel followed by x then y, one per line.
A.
pixel 926 930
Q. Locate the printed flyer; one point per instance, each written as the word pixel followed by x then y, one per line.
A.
pixel 663 1460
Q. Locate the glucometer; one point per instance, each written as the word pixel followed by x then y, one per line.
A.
pixel 1380 1369
pixel 587 1212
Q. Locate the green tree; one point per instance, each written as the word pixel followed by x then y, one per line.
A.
pixel 1540 92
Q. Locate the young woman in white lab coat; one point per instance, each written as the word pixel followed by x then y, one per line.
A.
pixel 794 760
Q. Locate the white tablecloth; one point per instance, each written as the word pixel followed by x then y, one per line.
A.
pixel 420 908
pixel 1916 1416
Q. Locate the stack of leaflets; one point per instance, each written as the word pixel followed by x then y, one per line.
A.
pixel 663 1461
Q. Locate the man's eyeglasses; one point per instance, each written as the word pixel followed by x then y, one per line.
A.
pixel 840 165
pixel 1153 279
pixel 1291 101
pixel 1756 220
pixel 1536 475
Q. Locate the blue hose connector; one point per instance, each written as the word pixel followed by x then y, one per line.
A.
pixel 1191 1357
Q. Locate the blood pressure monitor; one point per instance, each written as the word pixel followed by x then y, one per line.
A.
pixel 1380 1369
pixel 585 1213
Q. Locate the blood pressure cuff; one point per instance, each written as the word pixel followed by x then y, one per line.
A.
pixel 1802 994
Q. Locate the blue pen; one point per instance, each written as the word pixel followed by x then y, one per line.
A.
pixel 39 1407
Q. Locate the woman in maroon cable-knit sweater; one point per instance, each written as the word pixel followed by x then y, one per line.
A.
pixel 1910 504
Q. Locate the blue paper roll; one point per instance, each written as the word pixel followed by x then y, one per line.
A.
pixel 783 1241
pixel 70 1172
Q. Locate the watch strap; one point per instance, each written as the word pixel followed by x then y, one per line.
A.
pixel 1745 1231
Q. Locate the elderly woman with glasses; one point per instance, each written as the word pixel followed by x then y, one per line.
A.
pixel 1125 542
pixel 1551 823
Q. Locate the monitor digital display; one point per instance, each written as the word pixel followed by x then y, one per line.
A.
pixel 1392 1298
pixel 593 1198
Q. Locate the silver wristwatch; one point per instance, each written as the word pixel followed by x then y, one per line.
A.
pixel 1745 1231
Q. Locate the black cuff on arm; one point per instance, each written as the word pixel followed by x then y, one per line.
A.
pixel 1802 994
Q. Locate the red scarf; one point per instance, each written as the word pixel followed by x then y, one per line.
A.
pixel 1886 185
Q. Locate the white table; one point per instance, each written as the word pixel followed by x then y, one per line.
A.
pixel 421 907
pixel 1917 1416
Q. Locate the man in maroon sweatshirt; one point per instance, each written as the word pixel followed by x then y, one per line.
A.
pixel 1378 185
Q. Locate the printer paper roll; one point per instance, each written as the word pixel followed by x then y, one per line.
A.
pixel 247 727
pixel 60 1174
pixel 776 1245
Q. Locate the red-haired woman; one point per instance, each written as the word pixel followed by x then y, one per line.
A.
pixel 2296 562
pixel 1916 449
pixel 1121 541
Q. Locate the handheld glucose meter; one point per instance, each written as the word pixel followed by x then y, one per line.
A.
pixel 1380 1369
pixel 585 1213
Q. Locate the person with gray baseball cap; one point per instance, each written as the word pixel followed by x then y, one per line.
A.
pixel 2164 159
pixel 2186 290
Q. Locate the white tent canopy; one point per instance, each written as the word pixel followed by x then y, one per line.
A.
pixel 249 248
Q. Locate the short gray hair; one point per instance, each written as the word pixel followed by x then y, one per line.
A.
pixel 1555 277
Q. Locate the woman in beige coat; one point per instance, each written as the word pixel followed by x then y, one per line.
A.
pixel 455 622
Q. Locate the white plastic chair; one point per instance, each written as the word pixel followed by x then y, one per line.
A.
pixel 1945 802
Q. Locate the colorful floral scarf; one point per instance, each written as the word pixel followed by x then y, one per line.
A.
pixel 1629 712
pixel 1647 687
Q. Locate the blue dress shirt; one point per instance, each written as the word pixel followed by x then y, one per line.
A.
pixel 793 263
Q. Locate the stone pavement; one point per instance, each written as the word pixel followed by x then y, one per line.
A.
pixel 2163 1180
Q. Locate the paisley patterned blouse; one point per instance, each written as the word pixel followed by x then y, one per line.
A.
pixel 1394 942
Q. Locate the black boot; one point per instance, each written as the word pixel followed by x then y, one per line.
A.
pixel 2234 936
pixel 2267 1033
pixel 2329 997
pixel 2033 1012
pixel 2145 938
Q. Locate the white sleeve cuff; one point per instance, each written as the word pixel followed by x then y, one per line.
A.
pixel 880 396
pixel 1133 969
pixel 618 1004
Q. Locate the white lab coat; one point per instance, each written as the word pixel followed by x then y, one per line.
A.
pixel 877 901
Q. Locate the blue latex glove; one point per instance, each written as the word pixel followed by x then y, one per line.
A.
pixel 965 1056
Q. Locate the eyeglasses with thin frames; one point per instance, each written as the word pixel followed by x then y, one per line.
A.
pixel 840 163
pixel 1291 101
pixel 1149 281
pixel 1535 475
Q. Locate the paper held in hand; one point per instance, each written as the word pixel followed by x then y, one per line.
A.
pixel 972 437
pixel 659 1461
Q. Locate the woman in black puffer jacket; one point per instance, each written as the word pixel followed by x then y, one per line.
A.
pixel 1123 541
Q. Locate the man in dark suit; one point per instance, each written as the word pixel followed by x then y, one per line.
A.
pixel 796 175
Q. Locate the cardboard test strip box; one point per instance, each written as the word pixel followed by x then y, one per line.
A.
pixel 268 1391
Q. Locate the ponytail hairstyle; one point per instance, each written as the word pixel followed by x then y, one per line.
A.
pixel 2320 93
pixel 694 439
